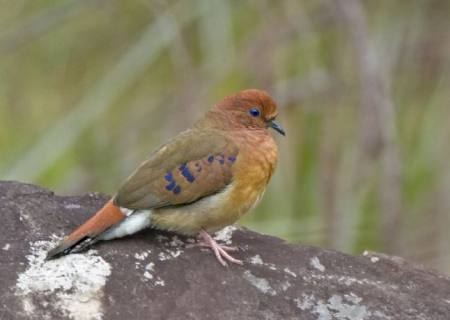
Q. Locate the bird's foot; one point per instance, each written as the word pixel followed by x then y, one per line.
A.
pixel 220 251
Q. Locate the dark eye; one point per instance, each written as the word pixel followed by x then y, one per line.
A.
pixel 254 112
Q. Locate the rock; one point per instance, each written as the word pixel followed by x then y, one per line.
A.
pixel 154 275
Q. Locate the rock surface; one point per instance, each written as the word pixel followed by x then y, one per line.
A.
pixel 156 276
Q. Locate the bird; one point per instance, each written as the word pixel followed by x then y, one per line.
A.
pixel 200 181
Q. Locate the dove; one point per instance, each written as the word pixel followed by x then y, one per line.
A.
pixel 200 181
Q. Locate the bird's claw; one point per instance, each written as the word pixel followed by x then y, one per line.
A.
pixel 220 251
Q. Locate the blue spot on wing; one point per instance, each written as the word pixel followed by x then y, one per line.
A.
pixel 177 190
pixel 221 159
pixel 186 173
pixel 232 159
pixel 210 159
pixel 171 186
pixel 168 176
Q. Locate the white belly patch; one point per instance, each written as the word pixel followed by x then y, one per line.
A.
pixel 133 223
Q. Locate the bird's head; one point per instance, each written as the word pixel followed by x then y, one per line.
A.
pixel 251 109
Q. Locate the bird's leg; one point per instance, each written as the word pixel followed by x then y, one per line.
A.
pixel 226 248
pixel 220 251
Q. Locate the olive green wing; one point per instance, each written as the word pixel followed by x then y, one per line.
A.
pixel 191 166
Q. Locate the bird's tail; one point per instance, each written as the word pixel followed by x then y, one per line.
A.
pixel 87 233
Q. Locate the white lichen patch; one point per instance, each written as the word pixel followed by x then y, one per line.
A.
pixel 148 275
pixel 163 256
pixel 150 266
pixel 73 283
pixel 353 298
pixel 169 254
pixel 176 242
pixel 373 258
pixel 348 307
pixel 175 253
pixel 345 310
pixel 143 255
pixel 260 283
pixel 147 268
pixel 225 235
pixel 257 260
pixel 305 303
pixel 285 285
pixel 160 282
pixel 289 272
pixel 140 257
pixel 6 247
pixel 28 306
pixel 381 315
pixel 72 206
pixel 315 262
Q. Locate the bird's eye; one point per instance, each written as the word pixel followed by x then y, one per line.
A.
pixel 254 112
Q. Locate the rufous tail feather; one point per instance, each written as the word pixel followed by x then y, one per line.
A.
pixel 85 235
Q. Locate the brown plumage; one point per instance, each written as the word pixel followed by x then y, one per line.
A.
pixel 202 180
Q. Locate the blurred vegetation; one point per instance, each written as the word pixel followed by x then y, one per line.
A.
pixel 89 88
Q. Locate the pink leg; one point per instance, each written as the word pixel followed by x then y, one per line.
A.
pixel 225 248
pixel 219 250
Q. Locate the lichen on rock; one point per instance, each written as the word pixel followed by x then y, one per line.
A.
pixel 73 284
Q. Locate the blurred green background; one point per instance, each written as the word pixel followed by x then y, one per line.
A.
pixel 89 88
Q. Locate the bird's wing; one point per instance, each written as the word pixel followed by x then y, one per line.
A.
pixel 193 165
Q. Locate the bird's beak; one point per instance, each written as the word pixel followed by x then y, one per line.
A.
pixel 272 124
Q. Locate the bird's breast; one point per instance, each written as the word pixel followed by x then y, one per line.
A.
pixel 256 163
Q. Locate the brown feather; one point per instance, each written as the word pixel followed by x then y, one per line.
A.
pixel 106 217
